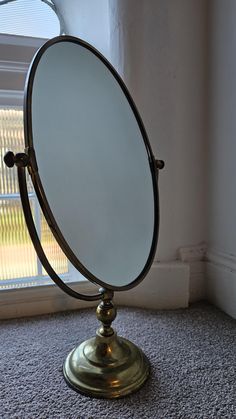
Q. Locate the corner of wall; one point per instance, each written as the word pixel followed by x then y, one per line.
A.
pixel 221 280
pixel 195 257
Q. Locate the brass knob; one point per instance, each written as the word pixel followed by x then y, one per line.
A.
pixel 160 164
pixel 9 159
pixel 19 159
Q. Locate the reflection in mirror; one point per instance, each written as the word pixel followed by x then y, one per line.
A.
pixel 93 163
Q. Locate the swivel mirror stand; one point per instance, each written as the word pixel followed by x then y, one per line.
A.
pixel 106 365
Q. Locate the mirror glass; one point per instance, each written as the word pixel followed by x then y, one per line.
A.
pixel 93 161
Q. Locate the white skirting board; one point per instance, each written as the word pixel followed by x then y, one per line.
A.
pixel 221 281
pixel 165 287
pixel 168 285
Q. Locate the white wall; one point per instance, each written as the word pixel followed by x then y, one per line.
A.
pixel 88 20
pixel 160 48
pixel 221 155
pixel 222 133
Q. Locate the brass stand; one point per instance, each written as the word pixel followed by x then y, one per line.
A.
pixel 106 366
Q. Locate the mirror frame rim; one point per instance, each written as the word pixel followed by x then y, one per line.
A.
pixel 33 168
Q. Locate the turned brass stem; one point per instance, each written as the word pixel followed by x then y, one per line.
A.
pixel 106 365
pixel 106 313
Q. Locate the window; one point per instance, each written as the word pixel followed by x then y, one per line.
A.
pixel 28 18
pixel 19 265
pixel 24 29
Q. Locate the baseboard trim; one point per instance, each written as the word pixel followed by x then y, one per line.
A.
pixel 224 260
pixel 221 280
pixel 165 287
pixel 194 255
pixel 168 285
pixel 41 299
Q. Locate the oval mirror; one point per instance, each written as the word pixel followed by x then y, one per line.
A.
pixel 96 179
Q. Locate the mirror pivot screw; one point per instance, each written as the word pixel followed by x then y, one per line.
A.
pixel 19 159
pixel 9 159
pixel 160 164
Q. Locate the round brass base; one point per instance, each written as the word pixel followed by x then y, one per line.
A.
pixel 108 367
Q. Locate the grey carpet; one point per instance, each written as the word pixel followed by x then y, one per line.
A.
pixel 192 352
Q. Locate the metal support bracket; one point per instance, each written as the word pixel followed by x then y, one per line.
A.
pixel 21 160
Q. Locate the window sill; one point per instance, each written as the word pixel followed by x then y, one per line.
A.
pixel 42 299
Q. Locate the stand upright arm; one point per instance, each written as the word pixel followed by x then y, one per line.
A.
pixel 21 160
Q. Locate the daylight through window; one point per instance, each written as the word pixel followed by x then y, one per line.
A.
pixel 18 259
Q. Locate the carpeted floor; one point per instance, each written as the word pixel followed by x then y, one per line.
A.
pixel 192 353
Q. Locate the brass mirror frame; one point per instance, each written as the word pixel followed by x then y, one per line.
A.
pixel 29 148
